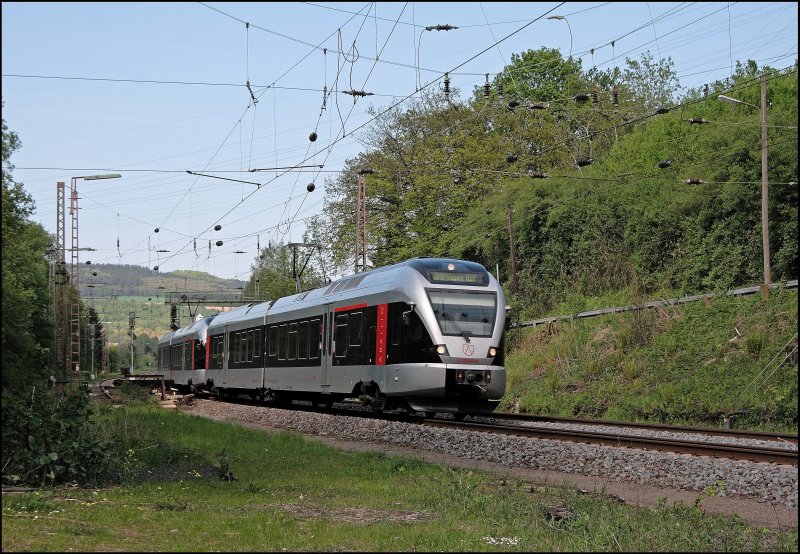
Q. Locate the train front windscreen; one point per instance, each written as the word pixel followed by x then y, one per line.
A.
pixel 469 314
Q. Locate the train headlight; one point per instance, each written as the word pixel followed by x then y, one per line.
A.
pixel 492 352
pixel 488 377
pixel 441 350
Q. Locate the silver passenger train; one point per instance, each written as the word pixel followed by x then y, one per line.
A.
pixel 426 334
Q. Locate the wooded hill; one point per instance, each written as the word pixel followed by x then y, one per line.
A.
pixel 134 280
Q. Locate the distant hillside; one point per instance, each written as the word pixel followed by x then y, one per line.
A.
pixel 133 280
pixel 116 291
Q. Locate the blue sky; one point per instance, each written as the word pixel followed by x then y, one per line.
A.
pixel 153 132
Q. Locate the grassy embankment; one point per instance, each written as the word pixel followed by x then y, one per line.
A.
pixel 295 494
pixel 691 363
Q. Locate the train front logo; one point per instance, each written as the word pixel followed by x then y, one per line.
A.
pixel 469 349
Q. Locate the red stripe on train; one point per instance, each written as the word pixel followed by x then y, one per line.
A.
pixel 380 335
pixel 353 307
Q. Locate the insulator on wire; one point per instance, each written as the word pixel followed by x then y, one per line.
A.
pixel 511 158
pixel 488 211
pixel 537 175
pixel 663 164
pixel 694 181
pixel 662 110
pixel 539 106
pixel 513 103
pixel 310 187
pixel 500 90
pixel 486 87
pixel 446 27
pixel 219 243
pixel 697 120
pixel 583 162
pixel 155 230
pixel 217 227
pixel 594 95
pixel 447 85
pixel 313 136
pixel 581 97
pixel 705 90
pixel 615 97
pixel 155 268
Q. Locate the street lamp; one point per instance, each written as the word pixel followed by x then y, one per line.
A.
pixel 764 180
pixel 561 17
pixel 74 347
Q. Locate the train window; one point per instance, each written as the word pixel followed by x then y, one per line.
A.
pixel 282 342
pixel 273 340
pixel 355 328
pixel 302 340
pixel 341 336
pixel 292 343
pixel 314 344
pixel 237 348
pixel 257 344
pixel 245 356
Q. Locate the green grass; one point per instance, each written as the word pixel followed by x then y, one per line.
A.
pixel 685 364
pixel 295 494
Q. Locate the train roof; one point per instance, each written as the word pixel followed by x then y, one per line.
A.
pixel 406 275
pixel 383 278
pixel 249 312
pixel 195 328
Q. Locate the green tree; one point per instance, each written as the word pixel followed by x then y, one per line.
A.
pixel 26 329
pixel 274 268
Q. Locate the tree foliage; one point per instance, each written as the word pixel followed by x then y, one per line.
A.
pixel 447 173
pixel 275 269
pixel 26 329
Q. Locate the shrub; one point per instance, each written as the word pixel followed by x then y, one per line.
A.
pixel 49 438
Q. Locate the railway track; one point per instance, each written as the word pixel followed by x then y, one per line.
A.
pixel 697 448
pixel 733 433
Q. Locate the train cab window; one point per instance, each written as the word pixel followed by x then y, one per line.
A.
pixel 302 340
pixel 292 342
pixel 273 341
pixel 282 341
pixel 355 328
pixel 257 346
pixel 315 332
pixel 340 336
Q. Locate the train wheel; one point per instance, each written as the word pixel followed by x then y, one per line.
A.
pixel 430 415
pixel 459 417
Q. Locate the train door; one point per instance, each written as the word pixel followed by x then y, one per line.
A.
pixel 326 361
pixel 226 355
